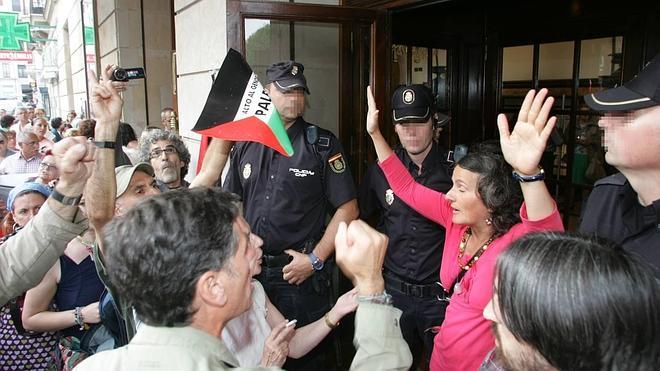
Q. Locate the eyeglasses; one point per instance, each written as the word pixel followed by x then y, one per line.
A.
pixel 169 150
pixel 33 143
pixel 45 165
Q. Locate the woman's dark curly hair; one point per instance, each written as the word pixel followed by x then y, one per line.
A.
pixel 496 187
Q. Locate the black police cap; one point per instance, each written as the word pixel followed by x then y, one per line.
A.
pixel 412 103
pixel 287 75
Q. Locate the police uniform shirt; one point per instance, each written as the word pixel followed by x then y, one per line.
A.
pixel 613 211
pixel 285 197
pixel 415 244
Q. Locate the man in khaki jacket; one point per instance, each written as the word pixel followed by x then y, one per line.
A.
pixel 27 256
pixel 191 274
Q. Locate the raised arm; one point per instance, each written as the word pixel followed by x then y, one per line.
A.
pixel 101 188
pixel 360 251
pixel 524 146
pixel 213 163
pixel 27 256
pixel 383 150
pixel 426 201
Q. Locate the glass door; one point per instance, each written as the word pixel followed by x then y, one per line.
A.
pixel 342 49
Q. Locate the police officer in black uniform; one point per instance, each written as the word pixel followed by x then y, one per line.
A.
pixel 412 263
pixel 286 201
pixel 625 207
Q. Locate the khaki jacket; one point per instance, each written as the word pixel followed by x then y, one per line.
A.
pixel 29 254
pixel 378 339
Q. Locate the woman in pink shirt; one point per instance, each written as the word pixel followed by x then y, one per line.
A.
pixel 496 198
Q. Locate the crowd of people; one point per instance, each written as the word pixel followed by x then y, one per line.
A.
pixel 113 260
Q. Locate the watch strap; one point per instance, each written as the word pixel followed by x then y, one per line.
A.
pixel 104 144
pixel 317 263
pixel 529 178
pixel 66 200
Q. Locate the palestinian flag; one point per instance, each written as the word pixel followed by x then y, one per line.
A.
pixel 239 109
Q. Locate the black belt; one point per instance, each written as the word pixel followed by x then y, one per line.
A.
pixel 276 260
pixel 411 289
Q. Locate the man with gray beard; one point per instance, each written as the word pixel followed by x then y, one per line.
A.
pixel 168 155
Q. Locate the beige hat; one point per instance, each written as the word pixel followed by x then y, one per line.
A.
pixel 124 173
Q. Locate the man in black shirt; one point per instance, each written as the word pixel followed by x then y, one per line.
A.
pixel 286 201
pixel 625 207
pixel 412 263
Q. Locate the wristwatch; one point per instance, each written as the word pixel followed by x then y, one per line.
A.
pixel 317 263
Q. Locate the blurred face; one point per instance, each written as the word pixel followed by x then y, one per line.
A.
pixel 165 118
pixel 3 144
pixel 22 115
pixel 30 113
pixel 47 169
pixel 39 113
pixel 11 140
pixel 239 269
pixel 632 139
pixel 511 353
pixel 141 186
pixel 467 206
pixel 290 104
pixel 30 146
pixel 40 127
pixel 166 162
pixel 415 137
pixel 26 207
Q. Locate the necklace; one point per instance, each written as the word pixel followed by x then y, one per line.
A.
pixel 461 252
pixel 461 249
pixel 88 245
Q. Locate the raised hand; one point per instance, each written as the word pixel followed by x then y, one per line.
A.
pixel 105 101
pixel 372 113
pixel 524 146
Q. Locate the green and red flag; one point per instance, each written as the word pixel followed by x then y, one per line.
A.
pixel 239 109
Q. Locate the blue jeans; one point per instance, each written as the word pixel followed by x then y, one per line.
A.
pixel 306 303
pixel 418 321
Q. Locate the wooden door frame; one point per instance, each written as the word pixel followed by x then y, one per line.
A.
pixel 353 137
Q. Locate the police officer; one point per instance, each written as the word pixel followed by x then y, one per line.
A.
pixel 412 263
pixel 625 207
pixel 285 201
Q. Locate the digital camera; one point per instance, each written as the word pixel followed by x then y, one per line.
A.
pixel 125 74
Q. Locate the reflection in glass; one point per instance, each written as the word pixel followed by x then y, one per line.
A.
pixel 420 60
pixel 600 65
pixel 439 75
pixel 399 65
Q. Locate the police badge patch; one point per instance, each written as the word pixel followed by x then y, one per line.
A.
pixel 337 163
pixel 389 196
pixel 247 170
pixel 408 96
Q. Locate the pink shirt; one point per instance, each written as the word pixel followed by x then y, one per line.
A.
pixel 465 337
